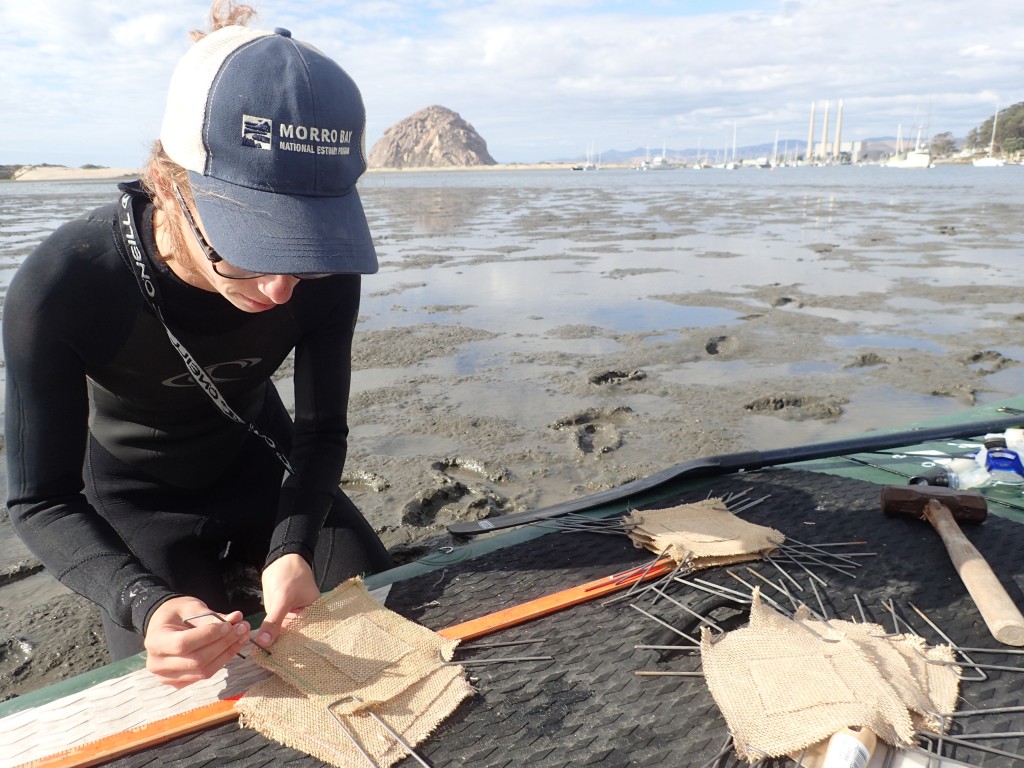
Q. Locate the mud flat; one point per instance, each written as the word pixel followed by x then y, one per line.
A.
pixel 537 336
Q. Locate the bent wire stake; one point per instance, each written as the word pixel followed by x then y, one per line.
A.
pixel 498 660
pixel 665 624
pixel 380 721
pixel 661 562
pixel 721 752
pixel 764 597
pixel 771 560
pixel 664 581
pixel 700 618
pixel 804 568
pixel 502 660
pixel 503 643
pixel 220 618
pixel 981 673
pixel 719 591
pixel 967 743
pixel 780 587
pixel 351 736
pixel 821 603
pixel 860 608
pixel 665 673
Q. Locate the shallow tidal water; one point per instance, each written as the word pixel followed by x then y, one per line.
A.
pixel 539 335
pixel 861 296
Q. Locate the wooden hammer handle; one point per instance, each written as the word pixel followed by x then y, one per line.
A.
pixel 1002 616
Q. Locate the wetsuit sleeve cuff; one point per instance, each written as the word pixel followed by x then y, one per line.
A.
pixel 290 549
pixel 301 516
pixel 144 600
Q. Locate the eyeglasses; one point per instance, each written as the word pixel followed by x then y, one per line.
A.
pixel 217 262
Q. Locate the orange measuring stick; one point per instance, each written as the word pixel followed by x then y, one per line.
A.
pixel 215 713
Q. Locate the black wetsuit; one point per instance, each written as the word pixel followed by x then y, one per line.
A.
pixel 124 479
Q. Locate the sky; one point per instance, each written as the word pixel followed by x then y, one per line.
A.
pixel 83 81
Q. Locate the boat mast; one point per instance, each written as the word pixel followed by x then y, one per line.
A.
pixel 992 141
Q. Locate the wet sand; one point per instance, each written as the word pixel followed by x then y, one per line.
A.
pixel 534 339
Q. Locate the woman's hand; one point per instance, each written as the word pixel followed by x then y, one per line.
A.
pixel 181 652
pixel 288 587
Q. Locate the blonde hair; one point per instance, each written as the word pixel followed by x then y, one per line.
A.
pixel 161 174
pixel 225 14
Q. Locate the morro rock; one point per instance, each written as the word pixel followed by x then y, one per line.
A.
pixel 434 137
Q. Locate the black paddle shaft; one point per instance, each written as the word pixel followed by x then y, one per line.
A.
pixel 734 462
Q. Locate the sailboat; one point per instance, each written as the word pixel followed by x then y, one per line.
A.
pixel 589 165
pixel 661 163
pixel 991 161
pixel 918 157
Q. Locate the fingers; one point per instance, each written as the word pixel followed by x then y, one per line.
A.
pixel 184 649
pixel 181 671
pixel 269 630
pixel 288 587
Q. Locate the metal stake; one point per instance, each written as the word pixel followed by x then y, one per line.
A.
pixel 954 646
pixel 663 623
pixel 380 721
pixel 221 619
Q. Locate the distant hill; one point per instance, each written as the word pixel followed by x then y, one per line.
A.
pixel 1009 131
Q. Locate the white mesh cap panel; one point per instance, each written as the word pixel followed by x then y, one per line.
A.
pixel 182 129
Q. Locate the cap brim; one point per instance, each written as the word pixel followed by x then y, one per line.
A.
pixel 284 234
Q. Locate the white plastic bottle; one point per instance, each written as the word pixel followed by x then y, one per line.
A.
pixel 1015 439
pixel 850 748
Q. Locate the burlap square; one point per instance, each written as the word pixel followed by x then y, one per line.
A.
pixel 349 655
pixel 785 684
pixel 704 534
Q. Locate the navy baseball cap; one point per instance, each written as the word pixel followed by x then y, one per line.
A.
pixel 271 132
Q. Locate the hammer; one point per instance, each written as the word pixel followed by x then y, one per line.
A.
pixel 942 507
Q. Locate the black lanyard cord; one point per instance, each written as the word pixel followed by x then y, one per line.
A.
pixel 135 258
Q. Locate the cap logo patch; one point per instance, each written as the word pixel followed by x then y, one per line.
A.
pixel 257 132
pixel 314 140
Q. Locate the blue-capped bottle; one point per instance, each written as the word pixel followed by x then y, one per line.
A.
pixel 1003 464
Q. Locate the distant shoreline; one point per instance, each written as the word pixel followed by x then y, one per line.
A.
pixel 498 167
pixel 64 173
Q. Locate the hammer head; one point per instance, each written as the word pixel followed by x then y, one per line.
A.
pixel 910 501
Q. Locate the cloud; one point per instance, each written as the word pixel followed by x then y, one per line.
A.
pixel 538 79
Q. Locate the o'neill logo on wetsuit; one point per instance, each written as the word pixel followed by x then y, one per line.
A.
pixel 218 372
pixel 134 250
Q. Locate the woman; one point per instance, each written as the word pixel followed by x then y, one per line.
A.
pixel 146 442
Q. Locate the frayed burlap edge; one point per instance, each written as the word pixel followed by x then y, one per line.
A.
pixel 349 657
pixel 286 716
pixel 786 684
pixel 703 534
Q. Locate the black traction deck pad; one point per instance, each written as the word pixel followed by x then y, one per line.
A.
pixel 587 706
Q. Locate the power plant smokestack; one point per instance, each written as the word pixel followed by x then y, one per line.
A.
pixel 837 147
pixel 824 134
pixel 809 154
